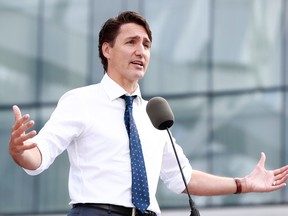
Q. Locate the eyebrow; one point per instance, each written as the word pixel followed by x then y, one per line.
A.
pixel 146 39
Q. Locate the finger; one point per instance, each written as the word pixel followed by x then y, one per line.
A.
pixel 19 119
pixel 20 149
pixel 277 187
pixel 28 146
pixel 281 178
pixel 22 139
pixel 280 175
pixel 26 126
pixel 17 112
pixel 262 160
pixel 281 170
pixel 20 127
pixel 19 144
pixel 280 182
pixel 18 135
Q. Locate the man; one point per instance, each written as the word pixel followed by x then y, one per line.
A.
pixel 88 122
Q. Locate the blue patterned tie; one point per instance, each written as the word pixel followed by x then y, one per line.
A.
pixel 140 191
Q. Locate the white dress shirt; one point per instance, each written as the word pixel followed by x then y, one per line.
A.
pixel 89 123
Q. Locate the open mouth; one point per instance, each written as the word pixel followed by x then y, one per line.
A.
pixel 139 63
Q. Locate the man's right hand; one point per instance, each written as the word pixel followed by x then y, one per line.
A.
pixel 26 154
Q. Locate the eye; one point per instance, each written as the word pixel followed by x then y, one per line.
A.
pixel 131 42
pixel 147 45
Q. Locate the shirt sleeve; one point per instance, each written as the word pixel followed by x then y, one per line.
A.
pixel 63 128
pixel 170 172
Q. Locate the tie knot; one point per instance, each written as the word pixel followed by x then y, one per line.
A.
pixel 128 100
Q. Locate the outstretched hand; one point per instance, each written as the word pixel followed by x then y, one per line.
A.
pixel 18 135
pixel 262 180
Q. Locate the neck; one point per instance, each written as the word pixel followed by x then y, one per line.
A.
pixel 129 86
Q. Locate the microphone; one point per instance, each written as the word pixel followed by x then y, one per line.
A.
pixel 160 113
pixel 162 118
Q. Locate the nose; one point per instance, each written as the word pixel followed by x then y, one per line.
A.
pixel 139 51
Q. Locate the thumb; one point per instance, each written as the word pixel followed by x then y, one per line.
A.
pixel 262 160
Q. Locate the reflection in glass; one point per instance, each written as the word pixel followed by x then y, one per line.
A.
pixel 246 44
pixel 18 51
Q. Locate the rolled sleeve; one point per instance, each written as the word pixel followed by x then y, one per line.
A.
pixel 176 184
pixel 170 173
pixel 44 164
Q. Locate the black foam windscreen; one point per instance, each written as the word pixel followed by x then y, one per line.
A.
pixel 160 113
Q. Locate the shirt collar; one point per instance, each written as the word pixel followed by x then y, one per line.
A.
pixel 115 91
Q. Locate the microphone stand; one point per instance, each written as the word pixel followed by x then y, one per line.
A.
pixel 194 210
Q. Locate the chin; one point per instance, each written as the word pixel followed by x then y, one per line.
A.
pixel 139 74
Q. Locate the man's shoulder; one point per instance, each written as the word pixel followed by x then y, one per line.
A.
pixel 85 89
pixel 83 92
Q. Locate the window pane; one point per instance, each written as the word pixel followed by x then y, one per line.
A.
pixel 18 51
pixel 17 188
pixel 190 130
pixel 65 47
pixel 246 44
pixel 179 48
pixel 243 127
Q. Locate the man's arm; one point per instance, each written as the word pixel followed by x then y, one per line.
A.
pixel 259 180
pixel 25 154
pixel 204 184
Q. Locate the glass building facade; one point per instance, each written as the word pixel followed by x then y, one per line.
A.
pixel 221 64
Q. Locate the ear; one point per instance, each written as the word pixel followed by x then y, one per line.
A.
pixel 106 49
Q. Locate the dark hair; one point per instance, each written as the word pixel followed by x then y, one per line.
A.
pixel 111 27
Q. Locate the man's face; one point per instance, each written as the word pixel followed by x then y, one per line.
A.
pixel 128 59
